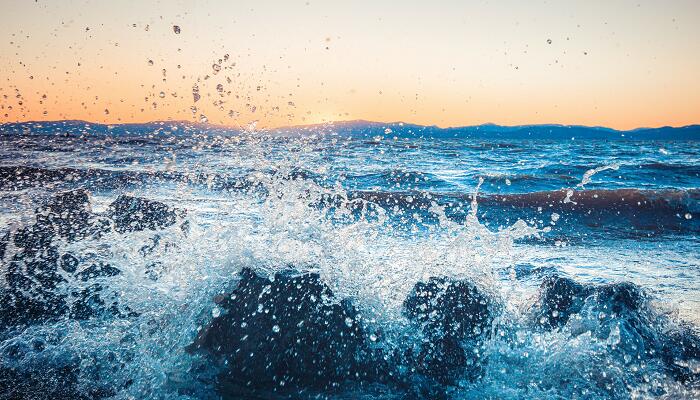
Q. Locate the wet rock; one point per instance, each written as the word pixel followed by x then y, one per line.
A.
pixel 36 268
pixel 619 314
pixel 53 379
pixel 454 318
pixel 132 214
pixel 66 216
pixel 286 332
pixel 621 297
pixel 4 240
pixel 681 353
pixel 559 298
pixel 33 271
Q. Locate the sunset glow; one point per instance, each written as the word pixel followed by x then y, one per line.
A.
pixel 619 64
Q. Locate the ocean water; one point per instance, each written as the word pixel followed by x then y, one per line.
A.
pixel 373 211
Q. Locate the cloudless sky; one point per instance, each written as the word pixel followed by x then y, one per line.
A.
pixel 622 64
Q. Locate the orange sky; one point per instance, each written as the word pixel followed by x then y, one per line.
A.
pixel 621 64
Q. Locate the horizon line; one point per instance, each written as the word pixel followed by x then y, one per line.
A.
pixel 327 123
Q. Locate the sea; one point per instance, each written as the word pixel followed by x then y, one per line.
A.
pixel 371 211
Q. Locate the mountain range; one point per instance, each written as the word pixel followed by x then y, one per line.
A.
pixel 360 129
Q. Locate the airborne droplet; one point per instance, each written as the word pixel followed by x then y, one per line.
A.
pixel 176 29
pixel 195 93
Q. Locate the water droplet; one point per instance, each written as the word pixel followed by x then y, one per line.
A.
pixel 216 68
pixel 387 131
pixel 688 216
pixel 195 93
pixel 348 322
pixel 276 328
pixel 203 118
pixel 549 41
pixel 176 29
pixel 215 312
pixel 150 62
pixel 508 182
pixel 162 95
pixel 106 111
pixel 219 88
pixel 373 337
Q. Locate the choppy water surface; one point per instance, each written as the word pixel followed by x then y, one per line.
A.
pixel 135 309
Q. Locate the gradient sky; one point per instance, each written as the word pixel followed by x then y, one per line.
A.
pixel 622 64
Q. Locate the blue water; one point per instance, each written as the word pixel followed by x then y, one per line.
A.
pixel 373 212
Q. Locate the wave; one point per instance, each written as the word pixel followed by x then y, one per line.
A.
pixel 628 212
pixel 22 177
pixel 274 329
pixel 603 200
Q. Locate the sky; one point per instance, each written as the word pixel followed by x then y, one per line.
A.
pixel 621 64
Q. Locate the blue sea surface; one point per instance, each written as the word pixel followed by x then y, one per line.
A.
pixel 580 245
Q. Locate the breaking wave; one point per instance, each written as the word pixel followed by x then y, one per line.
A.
pixel 284 282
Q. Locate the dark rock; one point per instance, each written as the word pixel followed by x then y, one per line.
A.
pixel 286 332
pixel 36 269
pixel 4 240
pixel 132 214
pixel 681 353
pixel 559 298
pixel 621 297
pixel 454 318
pixel 449 308
pixel 54 379
pixel 623 310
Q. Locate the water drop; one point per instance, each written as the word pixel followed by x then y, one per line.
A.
pixel 688 216
pixel 176 29
pixel 348 322
pixel 215 312
pixel 276 328
pixel 549 41
pixel 150 62
pixel 195 93
pixel 161 95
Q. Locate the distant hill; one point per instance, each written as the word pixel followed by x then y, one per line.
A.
pixel 360 129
